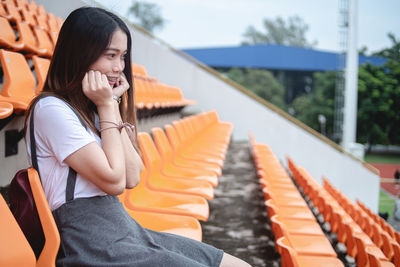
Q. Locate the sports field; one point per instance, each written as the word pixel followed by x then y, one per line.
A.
pixel 387 165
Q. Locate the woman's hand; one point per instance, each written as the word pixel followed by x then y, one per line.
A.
pixel 121 86
pixel 96 87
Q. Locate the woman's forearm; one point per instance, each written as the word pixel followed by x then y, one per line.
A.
pixel 112 143
pixel 133 162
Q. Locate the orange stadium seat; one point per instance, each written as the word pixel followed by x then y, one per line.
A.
pixel 15 249
pixel 6 109
pixel 297 213
pixel 28 17
pixel 296 226
pixel 164 149
pixel 52 22
pixel 44 42
pixel 362 256
pixel 179 160
pixel 41 68
pixel 291 259
pixel 28 39
pixel 12 13
pixel 7 36
pixel 19 85
pixel 139 69
pixel 159 182
pixel 32 6
pixel 141 198
pixel 169 223
pixel 49 253
pixel 374 261
pixel 42 22
pixel 304 244
pixel 3 12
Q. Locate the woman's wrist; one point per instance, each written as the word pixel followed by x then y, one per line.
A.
pixel 117 98
pixel 106 108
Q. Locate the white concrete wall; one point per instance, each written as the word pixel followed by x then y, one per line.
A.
pixel 284 137
pixel 11 164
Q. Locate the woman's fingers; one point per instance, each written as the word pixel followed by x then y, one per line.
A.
pixel 122 86
pixel 104 80
pixel 96 87
pixel 85 82
pixel 91 80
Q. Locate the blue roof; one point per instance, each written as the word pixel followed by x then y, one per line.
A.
pixel 274 57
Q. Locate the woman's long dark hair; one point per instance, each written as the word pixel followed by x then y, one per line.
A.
pixel 83 37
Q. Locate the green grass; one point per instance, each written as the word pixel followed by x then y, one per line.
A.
pixel 386 203
pixel 376 158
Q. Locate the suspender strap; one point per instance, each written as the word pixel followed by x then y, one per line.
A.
pixel 33 141
pixel 71 180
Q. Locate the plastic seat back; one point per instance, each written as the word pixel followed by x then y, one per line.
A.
pixel 3 12
pixel 15 249
pixel 27 17
pixel 7 35
pixel 396 253
pixel 13 12
pixel 387 247
pixel 373 260
pixel 41 67
pixel 362 257
pixel 27 38
pixel 277 227
pixel 172 137
pixel 150 154
pixel 139 69
pixel 288 255
pixel 162 143
pixel 19 80
pixel 52 21
pixel 44 41
pixel 49 253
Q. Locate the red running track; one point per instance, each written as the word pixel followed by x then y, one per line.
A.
pixel 387 171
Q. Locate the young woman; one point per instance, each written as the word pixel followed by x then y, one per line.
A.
pixel 78 126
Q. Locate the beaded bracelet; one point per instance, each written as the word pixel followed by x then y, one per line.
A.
pixel 121 125
pixel 117 98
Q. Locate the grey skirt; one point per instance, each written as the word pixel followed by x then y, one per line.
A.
pixel 98 231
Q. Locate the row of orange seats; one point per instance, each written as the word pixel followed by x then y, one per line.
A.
pixel 299 238
pixel 20 86
pixel 378 219
pixel 359 244
pixel 151 94
pixel 373 243
pixel 26 29
pixel 30 13
pixel 177 178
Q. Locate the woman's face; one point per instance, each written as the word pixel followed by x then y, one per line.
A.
pixel 112 60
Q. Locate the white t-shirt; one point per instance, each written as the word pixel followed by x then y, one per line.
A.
pixel 58 134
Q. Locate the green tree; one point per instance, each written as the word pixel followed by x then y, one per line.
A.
pixel 260 82
pixel 147 15
pixel 279 31
pixel 392 52
pixel 378 116
pixel 378 109
pixel 320 101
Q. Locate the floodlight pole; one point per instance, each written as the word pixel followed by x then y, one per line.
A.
pixel 351 84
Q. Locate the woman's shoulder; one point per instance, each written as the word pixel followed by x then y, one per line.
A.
pixel 51 101
pixel 52 108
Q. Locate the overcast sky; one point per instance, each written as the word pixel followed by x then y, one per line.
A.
pixel 214 23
